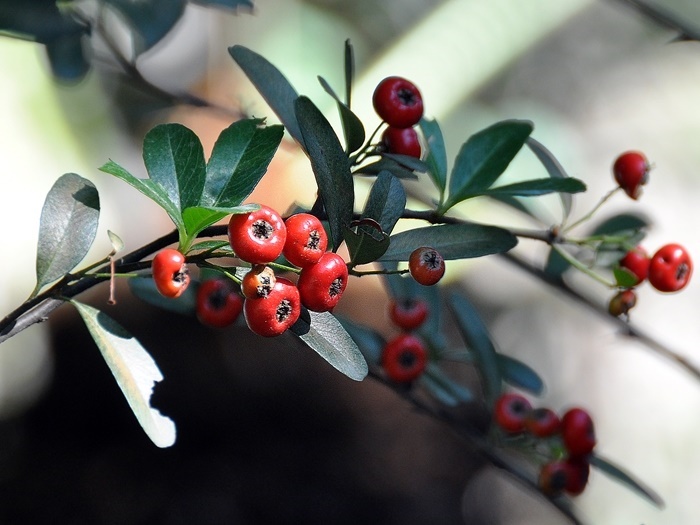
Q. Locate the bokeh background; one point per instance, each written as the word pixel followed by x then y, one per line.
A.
pixel 269 433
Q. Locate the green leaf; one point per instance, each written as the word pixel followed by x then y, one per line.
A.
pixel 370 343
pixel 386 164
pixel 150 20
pixel 436 159
pixel 330 166
pixel 67 58
pixel 196 218
pixel 145 289
pixel 484 157
pixel 115 241
pixel 67 227
pixel 443 388
pixel 349 71
pixel 535 187
pixel 622 222
pixel 386 202
pixel 230 4
pixel 324 334
pixel 365 245
pixel 475 334
pixel 408 162
pixel 453 241
pixel 211 246
pixel 556 265
pixel 519 374
pixel 272 85
pixel 353 129
pixel 555 170
pixel 624 278
pixel 134 369
pixel 623 477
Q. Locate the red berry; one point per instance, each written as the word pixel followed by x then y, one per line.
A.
pixel 170 273
pixel 408 313
pixel 257 237
pixel 631 170
pixel 511 412
pixel 670 268
pixel 321 285
pixel 404 358
pixel 577 432
pixel 636 261
pixel 218 303
pixel 543 422
pixel 622 303
pixel 426 265
pixel 273 315
pixel 258 282
pixel 306 240
pixel 398 102
pixel 577 479
pixel 554 477
pixel 402 141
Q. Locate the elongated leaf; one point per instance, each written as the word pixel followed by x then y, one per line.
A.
pixel 145 289
pixel 386 201
pixel 519 374
pixel 556 265
pixel 623 477
pixel 272 85
pixel 555 170
pixel 365 245
pixel 150 20
pixel 444 388
pixel 349 72
pixel 453 241
pixel 330 166
pixel 324 334
pixel 196 218
pixel 408 162
pixel 67 58
pixel 437 155
pixel 535 187
pixel 623 222
pixel 370 343
pixel 67 227
pixel 353 129
pixel 484 157
pixel 475 334
pixel 230 4
pixel 386 164
pixel 134 369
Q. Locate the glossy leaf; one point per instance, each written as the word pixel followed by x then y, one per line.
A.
pixel 349 71
pixel 519 374
pixel 626 479
pixel 365 245
pixel 535 187
pixel 272 85
pixel 211 246
pixel 477 338
pixel 386 164
pixel 386 201
pixel 324 334
pixel 408 162
pixel 436 159
pixel 453 241
pixel 370 343
pixel 151 20
pixel 555 170
pixel 67 227
pixel 622 222
pixel 353 128
pixel 134 369
pixel 444 388
pixel 330 166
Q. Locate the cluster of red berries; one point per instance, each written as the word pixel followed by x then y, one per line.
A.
pixel 573 434
pixel 404 357
pixel 398 102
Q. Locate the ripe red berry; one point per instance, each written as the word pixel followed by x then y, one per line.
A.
pixel 398 102
pixel 511 412
pixel 306 240
pixel 257 237
pixel 170 273
pixel 670 268
pixel 554 477
pixel 408 313
pixel 577 479
pixel 622 302
pixel 636 261
pixel 273 315
pixel 631 171
pixel 577 432
pixel 402 141
pixel 542 422
pixel 258 282
pixel 426 265
pixel 404 358
pixel 218 303
pixel 321 285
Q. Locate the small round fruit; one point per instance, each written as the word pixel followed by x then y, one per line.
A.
pixel 577 432
pixel 426 265
pixel 257 237
pixel 408 313
pixel 398 102
pixel 273 315
pixel 579 471
pixel 170 273
pixel 636 261
pixel 670 268
pixel 404 358
pixel 554 477
pixel 306 240
pixel 543 422
pixel 631 171
pixel 258 282
pixel 218 303
pixel 402 141
pixel 511 412
pixel 622 302
pixel 321 285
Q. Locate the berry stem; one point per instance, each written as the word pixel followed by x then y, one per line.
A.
pixel 590 214
pixel 573 261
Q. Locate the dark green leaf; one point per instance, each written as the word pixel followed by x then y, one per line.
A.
pixel 67 227
pixel 39 21
pixel 349 72
pixel 621 223
pixel 453 241
pixel 370 343
pixel 555 170
pixel 211 246
pixel 556 265
pixel 624 278
pixel 519 374
pixel 535 187
pixel 623 477
pixel 443 388
pixel 436 159
pixel 386 201
pixel 272 85
pixel 151 20
pixel 408 162
pixel 230 4
pixel 330 166
pixel 196 218
pixel 145 289
pixel 516 204
pixel 484 157
pixel 386 164
pixel 324 334
pixel 67 59
pixel 477 338
pixel 353 129
pixel 365 245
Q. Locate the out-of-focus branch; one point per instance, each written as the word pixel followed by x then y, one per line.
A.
pixel 665 18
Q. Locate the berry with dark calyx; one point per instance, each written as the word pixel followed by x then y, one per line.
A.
pixel 622 302
pixel 258 282
pixel 670 268
pixel 554 477
pixel 170 273
pixel 631 171
pixel 511 412
pixel 218 303
pixel 257 237
pixel 543 422
pixel 636 261
pixel 404 358
pixel 402 141
pixel 306 240
pixel 577 432
pixel 408 313
pixel 426 265
pixel 273 315
pixel 322 284
pixel 579 471
pixel 398 102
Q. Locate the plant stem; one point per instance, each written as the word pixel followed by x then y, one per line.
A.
pixel 573 261
pixel 590 214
